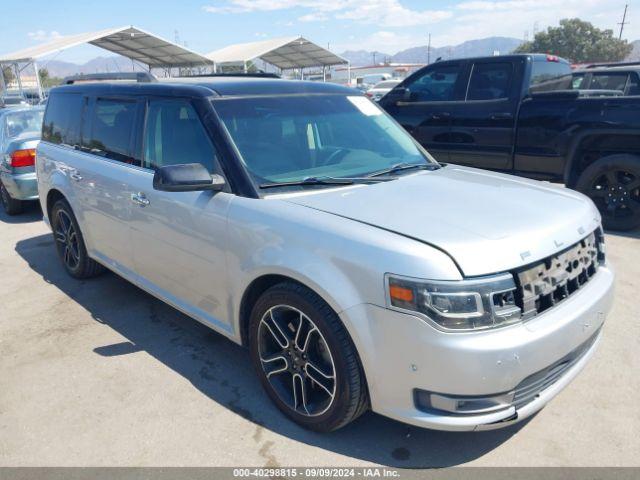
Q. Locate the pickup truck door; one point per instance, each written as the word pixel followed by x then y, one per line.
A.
pixel 483 125
pixel 179 239
pixel 422 105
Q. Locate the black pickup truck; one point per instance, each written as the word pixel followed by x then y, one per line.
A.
pixel 519 114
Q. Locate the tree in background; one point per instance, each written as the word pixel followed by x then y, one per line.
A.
pixel 45 80
pixel 9 76
pixel 579 42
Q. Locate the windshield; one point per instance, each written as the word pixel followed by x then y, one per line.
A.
pixel 291 138
pixel 18 123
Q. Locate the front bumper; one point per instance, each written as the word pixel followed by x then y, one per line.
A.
pixel 21 186
pixel 401 353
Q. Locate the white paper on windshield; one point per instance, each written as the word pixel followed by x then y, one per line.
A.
pixel 365 106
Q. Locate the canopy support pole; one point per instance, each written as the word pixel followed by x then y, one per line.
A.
pixel 19 80
pixel 3 85
pixel 38 84
pixel 349 74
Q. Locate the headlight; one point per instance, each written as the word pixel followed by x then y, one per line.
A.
pixel 476 304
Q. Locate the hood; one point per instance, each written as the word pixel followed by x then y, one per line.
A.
pixel 487 222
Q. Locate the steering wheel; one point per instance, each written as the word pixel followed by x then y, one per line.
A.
pixel 336 156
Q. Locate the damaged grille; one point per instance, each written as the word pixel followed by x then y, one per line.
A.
pixel 542 285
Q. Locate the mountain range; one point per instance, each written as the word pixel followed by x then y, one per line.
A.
pixel 113 63
pixel 471 48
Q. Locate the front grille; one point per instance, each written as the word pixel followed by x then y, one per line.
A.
pixel 544 284
pixel 528 390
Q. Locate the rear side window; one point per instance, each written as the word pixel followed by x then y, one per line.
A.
pixel 609 81
pixel 112 129
pixel 437 84
pixel 175 135
pixel 490 81
pixel 547 76
pixel 63 119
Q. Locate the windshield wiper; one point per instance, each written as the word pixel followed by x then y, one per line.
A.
pixel 399 167
pixel 310 181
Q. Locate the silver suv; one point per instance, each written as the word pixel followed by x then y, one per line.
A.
pixel 300 220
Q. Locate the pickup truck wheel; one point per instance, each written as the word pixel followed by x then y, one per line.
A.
pixel 70 243
pixel 305 359
pixel 11 205
pixel 613 183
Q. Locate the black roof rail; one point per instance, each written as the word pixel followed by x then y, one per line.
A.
pixel 619 64
pixel 140 77
pixel 234 74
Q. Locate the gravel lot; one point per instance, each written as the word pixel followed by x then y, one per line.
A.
pixel 100 373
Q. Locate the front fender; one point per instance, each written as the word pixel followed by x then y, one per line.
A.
pixel 342 260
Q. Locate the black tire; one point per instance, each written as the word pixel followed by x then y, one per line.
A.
pixel 11 205
pixel 350 397
pixel 75 260
pixel 613 183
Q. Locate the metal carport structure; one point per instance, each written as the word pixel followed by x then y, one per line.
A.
pixel 286 53
pixel 130 42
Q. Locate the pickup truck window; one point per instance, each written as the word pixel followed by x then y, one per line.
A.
pixel 490 81
pixel 436 84
pixel 549 75
pixel 609 81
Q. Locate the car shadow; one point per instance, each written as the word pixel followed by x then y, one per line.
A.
pixel 221 370
pixel 31 213
pixel 628 234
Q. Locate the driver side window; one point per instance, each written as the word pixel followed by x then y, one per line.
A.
pixel 175 135
pixel 435 85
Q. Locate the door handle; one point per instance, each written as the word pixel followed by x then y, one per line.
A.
pixel 140 199
pixel 501 116
pixel 440 115
pixel 75 176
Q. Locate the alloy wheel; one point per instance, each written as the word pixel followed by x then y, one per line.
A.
pixel 67 239
pixel 296 360
pixel 617 193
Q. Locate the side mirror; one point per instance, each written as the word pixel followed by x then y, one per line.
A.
pixel 189 177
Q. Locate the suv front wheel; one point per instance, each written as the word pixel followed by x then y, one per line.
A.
pixel 70 243
pixel 305 359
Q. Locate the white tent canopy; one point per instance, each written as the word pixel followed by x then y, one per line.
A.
pixel 285 53
pixel 130 42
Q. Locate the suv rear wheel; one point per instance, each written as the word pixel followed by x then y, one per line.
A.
pixel 11 205
pixel 70 244
pixel 613 183
pixel 305 359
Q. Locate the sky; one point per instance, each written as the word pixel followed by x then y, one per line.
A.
pixel 384 25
